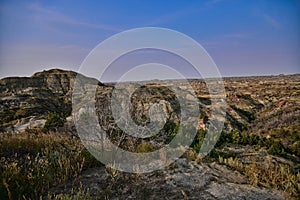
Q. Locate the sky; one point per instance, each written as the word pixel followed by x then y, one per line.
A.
pixel 257 37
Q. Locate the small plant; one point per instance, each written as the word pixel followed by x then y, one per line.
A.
pixel 113 176
pixel 53 121
pixel 76 194
pixel 145 147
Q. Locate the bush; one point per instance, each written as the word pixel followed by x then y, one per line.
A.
pixel 145 147
pixel 53 121
pixel 198 141
pixel 277 149
pixel 296 148
pixel 236 137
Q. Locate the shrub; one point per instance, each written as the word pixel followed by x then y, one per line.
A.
pixel 198 141
pixel 53 121
pixel 277 149
pixel 296 148
pixel 145 147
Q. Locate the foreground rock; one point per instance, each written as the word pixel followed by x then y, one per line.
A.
pixel 182 180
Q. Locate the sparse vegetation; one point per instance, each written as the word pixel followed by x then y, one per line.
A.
pixel 145 147
pixel 53 121
pixel 75 194
pixel 269 174
pixel 31 163
pixel 260 139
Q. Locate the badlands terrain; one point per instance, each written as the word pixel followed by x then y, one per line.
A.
pixel 255 157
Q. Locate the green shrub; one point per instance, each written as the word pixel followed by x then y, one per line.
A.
pixel 145 147
pixel 53 121
pixel 296 148
pixel 236 137
pixel 89 159
pixel 277 149
pixel 198 141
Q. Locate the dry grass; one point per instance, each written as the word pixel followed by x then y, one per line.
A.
pixel 268 174
pixel 76 194
pixel 31 163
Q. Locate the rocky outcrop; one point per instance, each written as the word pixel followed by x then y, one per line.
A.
pixel 262 105
pixel 182 180
pixel 250 100
pixel 23 100
pixel 56 81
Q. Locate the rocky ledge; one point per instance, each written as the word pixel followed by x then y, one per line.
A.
pixel 181 180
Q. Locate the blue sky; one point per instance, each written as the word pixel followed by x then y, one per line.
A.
pixel 243 37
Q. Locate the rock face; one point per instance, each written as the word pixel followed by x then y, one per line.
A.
pixel 24 100
pixel 182 180
pixel 55 81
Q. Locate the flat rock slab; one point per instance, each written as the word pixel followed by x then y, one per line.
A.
pixel 182 180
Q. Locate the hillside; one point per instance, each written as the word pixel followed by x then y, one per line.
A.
pixel 26 101
pixel 263 105
pixel 256 156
